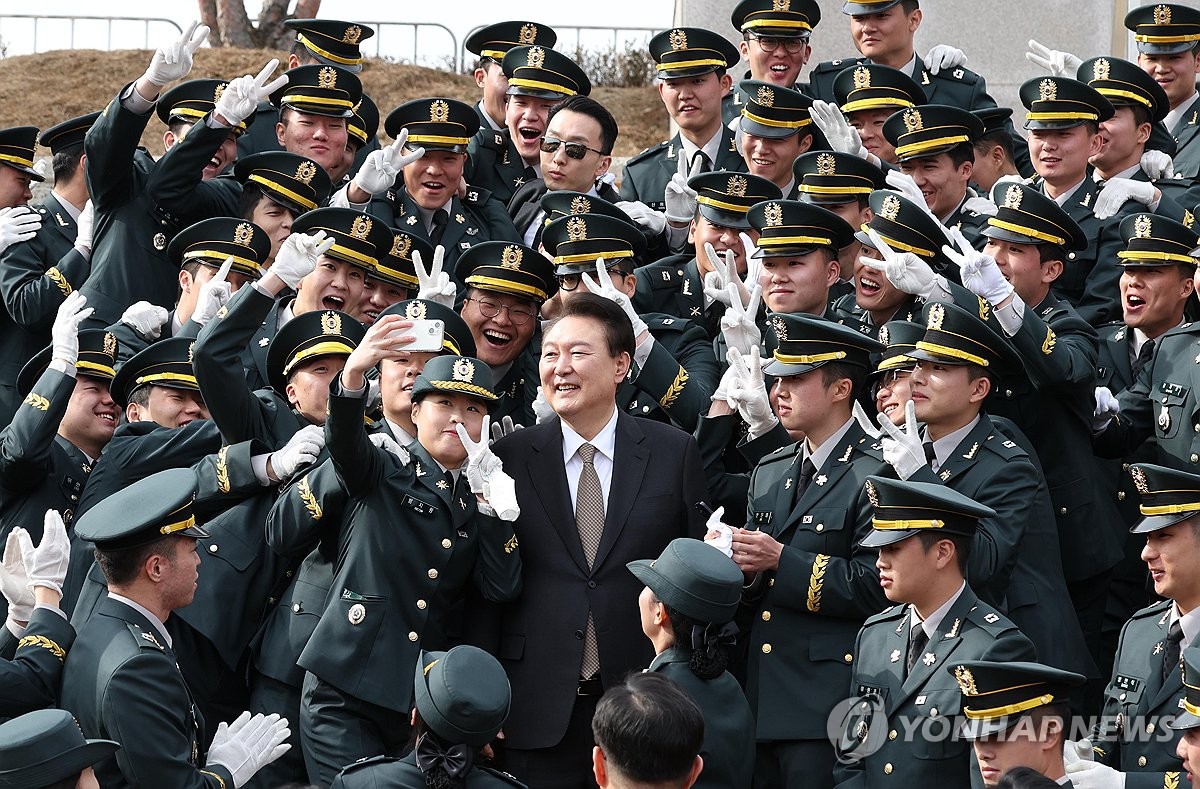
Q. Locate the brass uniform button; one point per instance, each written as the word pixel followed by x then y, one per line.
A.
pixel 766 648
pixel 892 734
pixel 212 547
pixel 433 574
pixel 887 769
pixel 357 614
pixel 412 636
pixel 766 616
pixel 1141 761
pixel 446 543
pixel 849 658
pixel 421 604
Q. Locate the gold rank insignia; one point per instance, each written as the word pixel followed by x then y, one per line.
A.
pixel 1139 479
pixel 110 345
pixel 737 186
pixel 872 494
pixel 439 111
pixel 1047 90
pixel 464 370
pixel 773 214
pixel 826 164
pixel 401 246
pixel 352 35
pixel 243 234
pixel 781 5
pixel 890 208
pixel 1162 15
pixel 327 78
pixel 862 78
pixel 219 91
pixel 937 314
pixel 1100 69
pixel 765 97
pixel 1143 227
pixel 581 205
pixel 966 681
pixel 415 311
pixel 1012 198
pixel 780 326
pixel 678 40
pixel 528 35
pixel 913 121
pixel 511 257
pixel 331 323
pixel 884 335
pixel 577 229
pixel 306 172
pixel 536 57
pixel 361 227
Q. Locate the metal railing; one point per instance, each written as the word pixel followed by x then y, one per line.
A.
pixel 376 42
pixel 90 41
pixel 619 35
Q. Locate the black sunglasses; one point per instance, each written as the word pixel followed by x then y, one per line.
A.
pixel 575 150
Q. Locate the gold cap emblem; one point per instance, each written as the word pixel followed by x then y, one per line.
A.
pixel 1162 15
pixel 528 34
pixel 464 370
pixel 220 91
pixel 890 208
pixel 361 227
pixel 773 214
pixel 885 336
pixel 191 350
pixel 1100 69
pixel 937 314
pixel 966 681
pixel 862 78
pixel 872 494
pixel 1139 479
pixel 331 323
pixel 1047 90
pixel 781 5
pixel 536 57
pixel 243 234
pixel 511 257
pixel 737 186
pixel 110 345
pixel 678 40
pixel 401 246
pixel 826 164
pixel 1012 198
pixel 780 326
pixel 439 111
pixel 913 121
pixel 1189 219
pixel 327 78
pixel 1142 227
pixel 576 229
pixel 415 310
pixel 306 172
pixel 581 205
pixel 353 35
pixel 765 97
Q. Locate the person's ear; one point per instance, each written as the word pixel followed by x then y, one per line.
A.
pixel 697 767
pixel 599 767
pixel 133 413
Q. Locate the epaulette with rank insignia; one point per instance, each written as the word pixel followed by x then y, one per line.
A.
pixel 887 614
pixel 783 453
pixel 477 196
pixel 837 65
pixel 958 74
pixel 997 444
pixel 989 619
pixel 145 638
pixel 647 153
pixel 1152 610
pixel 664 275
pixel 491 139
pixel 1185 328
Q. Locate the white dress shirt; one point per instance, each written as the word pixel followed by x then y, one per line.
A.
pixel 605 443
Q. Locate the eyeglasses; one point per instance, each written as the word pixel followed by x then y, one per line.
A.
pixel 490 309
pixel 772 43
pixel 575 150
pixel 570 282
pixel 889 379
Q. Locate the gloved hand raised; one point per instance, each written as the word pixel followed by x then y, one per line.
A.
pixel 174 60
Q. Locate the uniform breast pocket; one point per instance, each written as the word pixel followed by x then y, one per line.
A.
pixel 936 717
pixel 1075 272
pixel 1172 404
pixel 1123 694
pixel 363 615
pixel 823 529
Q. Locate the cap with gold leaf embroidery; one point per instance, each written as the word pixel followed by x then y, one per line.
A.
pixel 543 73
pixel 1125 84
pixel 167 362
pixel 870 86
pixel 1168 496
pixel 954 336
pixel 331 41
pixel 904 508
pixel 807 342
pixel 906 227
pixel 320 90
pixel 397 265
pixel 309 336
pixel 790 227
pixel 564 202
pixel 1189 717
pixel 1152 240
pixel 1061 102
pixel 1164 28
pixel 192 100
pixel 97 359
pixel 363 125
pixel 996 695
pixel 723 197
pixel 16 149
pixel 502 267
pixel 358 238
pixel 691 52
pixel 576 242
pixel 901 338
pixel 773 111
pixel 458 374
pixel 295 182
pixel 833 178
pixel 494 41
pixel 212 241
pixel 456 335
pixel 1026 216
pixel 434 123
pixel 777 18
pixel 148 510
pixel 930 130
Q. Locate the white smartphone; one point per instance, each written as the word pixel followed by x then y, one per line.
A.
pixel 428 333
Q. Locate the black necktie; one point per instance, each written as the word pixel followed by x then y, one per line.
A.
pixel 917 641
pixel 705 162
pixel 1171 653
pixel 440 220
pixel 1143 357
pixel 930 455
pixel 807 472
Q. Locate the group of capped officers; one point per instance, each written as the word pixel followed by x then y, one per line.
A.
pixel 868 423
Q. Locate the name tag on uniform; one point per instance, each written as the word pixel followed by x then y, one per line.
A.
pixel 871 690
pixel 763 518
pixel 1127 683
pixel 419 506
pixel 1175 390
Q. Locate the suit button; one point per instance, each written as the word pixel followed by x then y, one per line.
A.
pixel 1062 510
pixel 645 409
pixel 1195 457
pixel 1141 761
pixel 578 635
pixel 446 543
pixel 849 658
pixel 679 272
pixel 1070 256
pixel 412 636
pixel 887 769
pixel 766 649
pixel 1149 728
pixel 591 584
pixel 433 573
pixel 212 548
pixel 766 616
pixel 892 734
pixel 820 527
pixel 933 712
pixel 421 604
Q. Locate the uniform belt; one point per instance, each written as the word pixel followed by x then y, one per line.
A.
pixel 590 687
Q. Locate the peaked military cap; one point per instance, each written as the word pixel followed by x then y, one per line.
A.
pixel 790 227
pixel 320 90
pixel 778 18
pixel 97 359
pixel 833 178
pixel 1062 102
pixel 1026 216
pixel 904 508
pixel 397 265
pixel 1164 28
pixel 996 694
pixel 807 342
pixel 905 226
pixel 358 238
pixel 434 124
pixel 363 125
pixel 456 335
pixel 67 134
pixel 773 111
pixel 494 41
pixel 167 362
pixel 691 52
pixel 576 242
pixel 724 198
pixel 994 120
pixel 192 100
pixel 1152 240
pixel 543 73
pixel 862 7
pixel 147 510
pixel 502 267
pixel 332 42
pixel 464 375
pixel 295 182
pixel 308 336
pixel 1168 496
pixel 211 241
pixel 955 336
pixel 900 339
pixel 16 149
pixel 1189 718
pixel 1125 84
pixel 870 86
pixel 44 747
pixel 462 695
pixel 564 202
pixel 695 579
pixel 930 129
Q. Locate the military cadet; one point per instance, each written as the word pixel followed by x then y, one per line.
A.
pixel 1146 685
pixel 775 43
pixel 934 145
pixel 17 171
pixel 462 701
pixel 687 609
pixel 900 682
pixel 868 94
pixel 506 285
pixel 798 244
pixel 122 680
pixel 675 285
pixel 1016 715
pixel 1188 721
pixel 394 278
pixel 491 43
pixel 351 685
pixel 890 387
pixel 38 273
pixel 995 155
pixel 774 130
pixel 1168 45
pixel 841 183
pixel 47 748
pixel 277 188
pixel 315 109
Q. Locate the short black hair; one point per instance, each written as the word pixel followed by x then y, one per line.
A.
pixel 962 546
pixel 649 729
pixel 832 372
pixel 962 153
pixel 993 138
pixel 586 105
pixel 702 664
pixel 121 567
pixel 618 331
pixel 302 53
pixel 909 5
pixel 1048 251
pixel 65 163
pixel 1141 114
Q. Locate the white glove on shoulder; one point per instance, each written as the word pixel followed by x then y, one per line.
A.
pixel 18 224
pixel 46 565
pixel 981 205
pixel 719 534
pixel 248 744
pixel 1157 164
pixel 241 96
pixel 842 137
pixel 174 60
pixel 944 56
pixel 145 318
pixel 386 442
pixel 14 580
pixel 300 450
pixel 1054 62
pixel 1117 191
pixel 214 294
pixel 643 216
pixel 64 333
pixel 298 256
pixel 902 448
pixel 1107 408
pixel 434 284
pixel 380 169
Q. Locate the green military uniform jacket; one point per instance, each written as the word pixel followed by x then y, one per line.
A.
pixel 35 276
pixel 1133 735
pixel 122 683
pixel 728 749
pixel 674 286
pixel 384 772
pixel 971 223
pixel 31 666
pixel 647 174
pixel 928 700
pixel 494 164
pixel 677 381
pixel 1187 142
pixel 845 310
pixel 802 639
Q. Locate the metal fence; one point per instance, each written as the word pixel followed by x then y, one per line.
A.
pixel 593 33
pixel 84 32
pixel 388 32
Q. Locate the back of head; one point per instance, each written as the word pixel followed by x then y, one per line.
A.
pixel 650 732
pixel 1025 778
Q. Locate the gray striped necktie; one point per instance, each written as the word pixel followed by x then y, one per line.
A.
pixel 589 519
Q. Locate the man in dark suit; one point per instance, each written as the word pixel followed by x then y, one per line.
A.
pixel 589 506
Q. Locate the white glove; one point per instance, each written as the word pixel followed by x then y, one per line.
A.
pixel 680 198
pixel 944 56
pixel 214 294
pixel 249 744
pixel 729 380
pixel 643 216
pixel 380 168
pixel 737 324
pixel 298 256
pixel 1157 164
pixel 903 449
pixel 980 274
pixel 300 450
pixel 1106 410
pixel 904 270
pixel 174 60
pixel 1093 775
pixel 542 410
pixel 485 473
pixel 864 421
pixel 842 137
pixel 83 227
pixel 14 580
pixel 719 535
pixel 1117 191
pixel 1058 64
pixel 753 263
pixel 749 395
pixel 724 274
pixel 241 96
pixel 46 565
pixel 434 284
pixel 386 442
pixel 64 333
pixel 602 286
pixel 1078 751
pixel 145 318
pixel 981 205
pixel 505 427
pixel 17 224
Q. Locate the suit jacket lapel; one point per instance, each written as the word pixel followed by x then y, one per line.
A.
pixel 728 157
pixel 430 475
pixel 548 475
pixel 455 228
pixel 1158 691
pixel 1079 207
pixel 629 468
pixel 967 451
pixel 940 646
pixel 408 218
pixel 1120 353
pixel 785 492
pixel 1189 123
pixel 61 218
pixel 670 162
pixel 826 479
